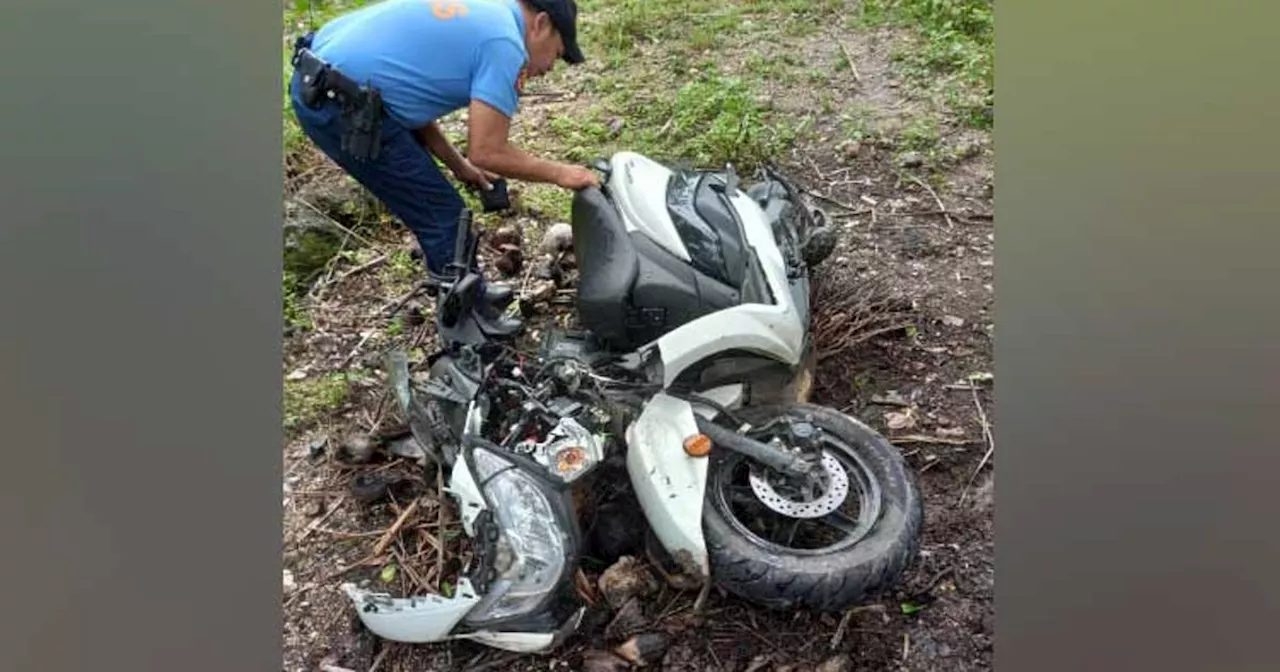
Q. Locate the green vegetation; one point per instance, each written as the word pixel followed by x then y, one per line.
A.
pixel 957 39
pixel 716 119
pixel 308 400
pixel 547 201
pixel 295 313
pixel 920 135
pixel 400 270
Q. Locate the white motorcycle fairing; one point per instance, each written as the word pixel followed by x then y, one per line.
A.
pixel 639 186
pixel 669 483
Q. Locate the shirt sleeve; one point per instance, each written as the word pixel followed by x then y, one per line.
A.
pixel 498 66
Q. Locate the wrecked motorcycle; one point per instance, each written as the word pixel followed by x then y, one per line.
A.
pixel 692 368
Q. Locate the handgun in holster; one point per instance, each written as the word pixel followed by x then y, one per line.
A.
pixel 362 124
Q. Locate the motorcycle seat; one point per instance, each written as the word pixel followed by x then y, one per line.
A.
pixel 607 264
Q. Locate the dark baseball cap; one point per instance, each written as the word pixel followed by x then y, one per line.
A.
pixel 564 16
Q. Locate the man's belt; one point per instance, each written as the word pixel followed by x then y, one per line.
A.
pixel 361 105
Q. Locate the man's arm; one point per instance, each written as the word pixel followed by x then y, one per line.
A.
pixel 488 148
pixel 433 138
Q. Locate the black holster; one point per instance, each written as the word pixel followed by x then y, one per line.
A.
pixel 361 106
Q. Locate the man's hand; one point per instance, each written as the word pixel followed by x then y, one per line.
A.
pixel 488 130
pixel 576 177
pixel 468 173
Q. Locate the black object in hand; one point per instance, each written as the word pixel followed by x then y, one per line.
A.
pixel 495 199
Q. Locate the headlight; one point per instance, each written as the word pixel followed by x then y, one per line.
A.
pixel 530 553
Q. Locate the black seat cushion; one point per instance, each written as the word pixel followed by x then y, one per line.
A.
pixel 607 264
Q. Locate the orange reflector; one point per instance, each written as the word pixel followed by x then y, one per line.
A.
pixel 697 445
pixel 570 459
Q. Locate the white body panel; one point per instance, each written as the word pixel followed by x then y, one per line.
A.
pixel 639 186
pixel 423 620
pixel 463 487
pixel 415 620
pixel 528 642
pixel 669 484
pixel 774 330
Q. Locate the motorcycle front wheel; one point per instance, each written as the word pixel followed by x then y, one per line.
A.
pixel 828 547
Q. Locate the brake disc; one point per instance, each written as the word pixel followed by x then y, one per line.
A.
pixel 830 500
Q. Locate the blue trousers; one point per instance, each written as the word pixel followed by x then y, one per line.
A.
pixel 404 176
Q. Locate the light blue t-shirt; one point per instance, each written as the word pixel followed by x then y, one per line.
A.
pixel 430 57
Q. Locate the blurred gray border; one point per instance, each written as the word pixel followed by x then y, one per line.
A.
pixel 1136 349
pixel 140 335
pixel 1136 346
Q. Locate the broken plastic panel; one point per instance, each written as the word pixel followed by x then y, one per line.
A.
pixel 569 452
pixel 413 619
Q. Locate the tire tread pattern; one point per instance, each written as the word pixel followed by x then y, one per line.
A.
pixel 838 580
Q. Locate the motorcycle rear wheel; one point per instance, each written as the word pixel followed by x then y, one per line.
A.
pixel 770 567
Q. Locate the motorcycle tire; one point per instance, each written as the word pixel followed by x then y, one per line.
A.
pixel 745 566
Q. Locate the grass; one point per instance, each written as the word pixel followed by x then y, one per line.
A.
pixel 956 39
pixel 547 201
pixel 295 312
pixel 309 400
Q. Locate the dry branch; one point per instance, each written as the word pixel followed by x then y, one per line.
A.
pixel 946 214
pixel 991 444
pixel 315 524
pixel 381 546
pixel 849 57
pixel 920 438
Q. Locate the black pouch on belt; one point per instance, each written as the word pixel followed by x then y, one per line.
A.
pixel 362 125
pixel 314 73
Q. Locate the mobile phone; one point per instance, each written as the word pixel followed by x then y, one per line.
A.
pixel 495 199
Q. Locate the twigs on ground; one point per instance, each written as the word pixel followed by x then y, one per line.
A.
pixel 440 555
pixel 336 223
pixel 928 587
pixel 403 561
pixel 392 307
pixel 846 315
pixel 315 524
pixel 382 655
pixel 920 438
pixel 376 261
pixel 946 214
pixel 991 444
pixel 381 547
pixel 355 351
pixel 496 662
pixel 840 630
pixel 711 649
pixel 367 561
pixel 849 57
pixel 851 209
pixel 849 313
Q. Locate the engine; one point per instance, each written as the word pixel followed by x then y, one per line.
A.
pixel 554 416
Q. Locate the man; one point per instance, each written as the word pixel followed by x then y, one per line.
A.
pixel 370 86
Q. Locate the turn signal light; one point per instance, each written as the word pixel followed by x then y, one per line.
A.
pixel 571 459
pixel 697 445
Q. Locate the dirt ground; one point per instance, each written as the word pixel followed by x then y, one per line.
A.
pixel 930 390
